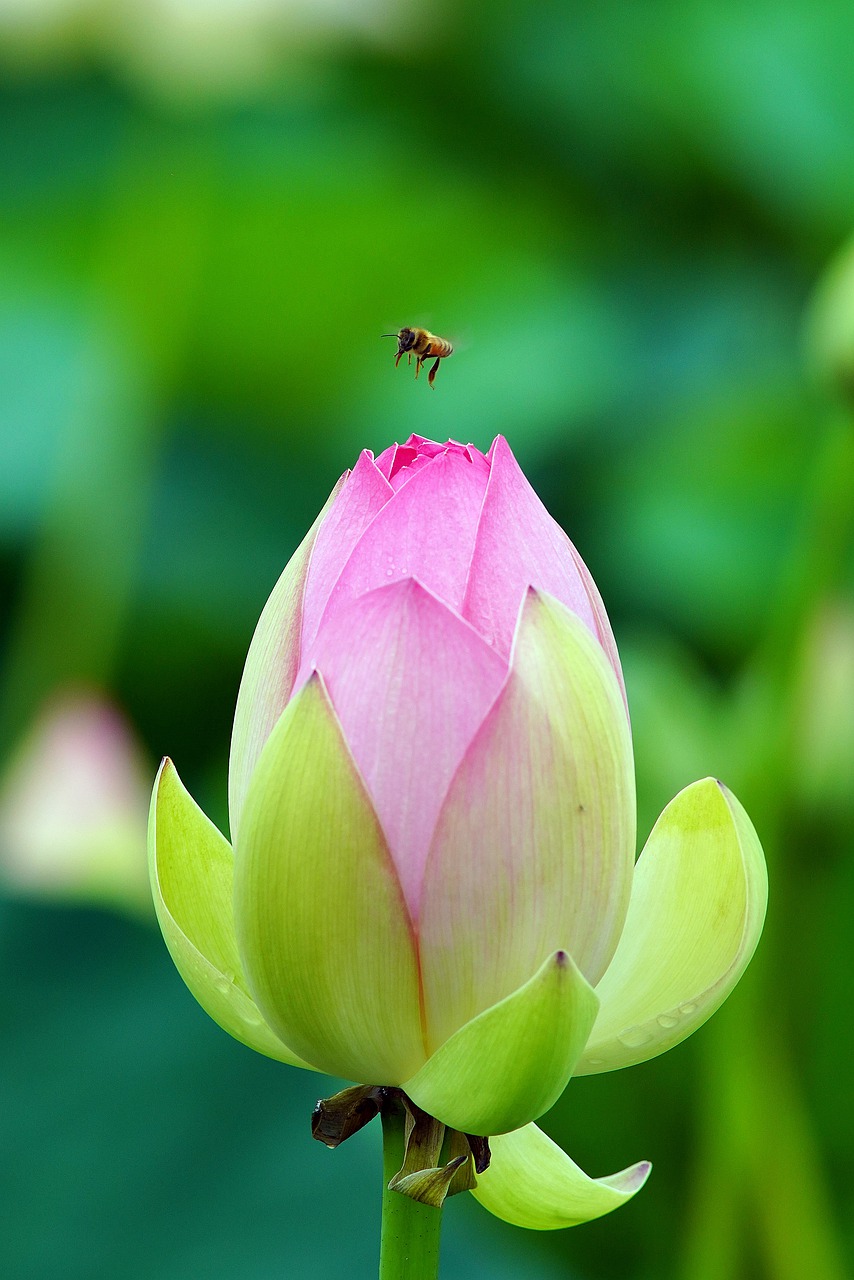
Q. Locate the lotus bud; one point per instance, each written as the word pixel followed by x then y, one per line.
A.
pixel 431 887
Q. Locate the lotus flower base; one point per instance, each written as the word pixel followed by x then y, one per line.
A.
pixel 421 1176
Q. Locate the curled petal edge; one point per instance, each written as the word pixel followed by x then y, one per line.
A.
pixel 532 1183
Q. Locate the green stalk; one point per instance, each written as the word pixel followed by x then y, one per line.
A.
pixel 409 1248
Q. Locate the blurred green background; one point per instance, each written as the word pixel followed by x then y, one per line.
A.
pixel 622 212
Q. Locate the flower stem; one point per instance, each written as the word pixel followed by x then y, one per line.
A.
pixel 409 1249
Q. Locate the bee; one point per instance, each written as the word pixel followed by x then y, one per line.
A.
pixel 423 345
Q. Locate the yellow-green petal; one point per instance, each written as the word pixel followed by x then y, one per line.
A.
pixel 324 934
pixel 192 870
pixel 532 1183
pixel 512 1062
pixel 534 848
pixel 271 668
pixel 696 913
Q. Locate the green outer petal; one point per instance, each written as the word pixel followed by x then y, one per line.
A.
pixel 534 848
pixel 192 869
pixel 696 913
pixel 532 1183
pixel 325 937
pixel 512 1062
pixel 271 669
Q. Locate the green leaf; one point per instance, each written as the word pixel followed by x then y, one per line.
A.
pixel 534 848
pixel 696 913
pixel 325 937
pixel 532 1183
pixel 271 669
pixel 192 870
pixel 512 1062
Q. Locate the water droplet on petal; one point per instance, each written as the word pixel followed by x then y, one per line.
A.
pixel 634 1037
pixel 595 1062
pixel 690 1007
pixel 667 1020
pixel 389 572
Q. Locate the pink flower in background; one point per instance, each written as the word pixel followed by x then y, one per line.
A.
pixel 432 884
pixel 72 806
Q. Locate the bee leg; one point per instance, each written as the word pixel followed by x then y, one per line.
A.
pixel 397 359
pixel 431 376
pixel 418 363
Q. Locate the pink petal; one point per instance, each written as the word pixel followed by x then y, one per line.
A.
pixel 385 461
pixel 479 459
pixel 426 531
pixel 518 545
pixel 364 494
pixel 430 449
pixel 400 463
pixel 423 446
pixel 397 458
pixel 410 683
pixel 533 850
pixel 410 467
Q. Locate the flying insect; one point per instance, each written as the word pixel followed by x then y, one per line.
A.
pixel 424 345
